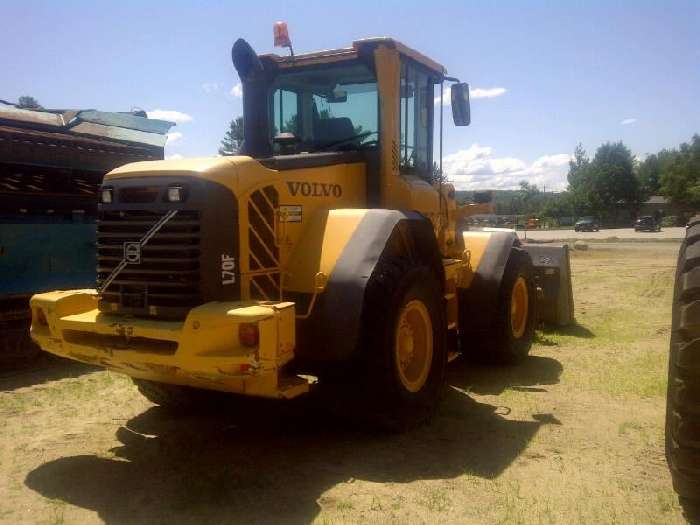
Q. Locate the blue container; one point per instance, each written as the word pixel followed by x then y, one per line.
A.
pixel 44 256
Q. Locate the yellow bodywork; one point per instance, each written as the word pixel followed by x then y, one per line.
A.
pixel 306 247
pixel 202 351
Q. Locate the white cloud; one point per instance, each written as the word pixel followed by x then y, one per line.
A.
pixel 476 168
pixel 486 93
pixel 210 87
pixel 474 93
pixel 628 121
pixel 173 116
pixel 174 156
pixel 173 136
pixel 237 90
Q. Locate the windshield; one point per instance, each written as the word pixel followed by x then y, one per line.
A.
pixel 332 108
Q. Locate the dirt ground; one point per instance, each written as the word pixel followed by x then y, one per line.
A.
pixel 574 435
pixel 670 233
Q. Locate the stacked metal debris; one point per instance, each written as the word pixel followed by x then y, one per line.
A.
pixel 51 166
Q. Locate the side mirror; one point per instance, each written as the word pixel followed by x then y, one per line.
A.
pixel 459 95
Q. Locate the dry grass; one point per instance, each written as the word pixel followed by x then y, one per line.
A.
pixel 575 435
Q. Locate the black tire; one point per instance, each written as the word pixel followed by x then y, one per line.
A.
pixel 386 402
pixel 508 348
pixel 499 344
pixel 179 398
pixel 683 395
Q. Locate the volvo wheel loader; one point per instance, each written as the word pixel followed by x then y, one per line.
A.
pixel 323 249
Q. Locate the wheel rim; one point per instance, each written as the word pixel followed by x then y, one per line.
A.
pixel 413 345
pixel 519 307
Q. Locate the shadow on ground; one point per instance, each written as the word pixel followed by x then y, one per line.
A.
pixel 531 375
pixel 572 330
pixel 21 372
pixel 273 461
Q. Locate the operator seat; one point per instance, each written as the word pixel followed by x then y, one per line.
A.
pixel 330 130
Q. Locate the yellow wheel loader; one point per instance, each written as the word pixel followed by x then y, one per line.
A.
pixel 324 250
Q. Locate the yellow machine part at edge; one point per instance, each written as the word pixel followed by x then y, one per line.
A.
pixel 202 351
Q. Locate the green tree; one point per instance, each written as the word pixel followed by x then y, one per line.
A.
pixel 613 175
pixel 680 181
pixel 27 102
pixel 577 167
pixel 582 198
pixel 232 141
pixel 649 174
pixel 558 206
pixel 528 196
pixel 600 185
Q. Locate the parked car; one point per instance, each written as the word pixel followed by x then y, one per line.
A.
pixel 587 224
pixel 647 224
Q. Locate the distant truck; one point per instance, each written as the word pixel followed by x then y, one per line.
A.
pixel 51 165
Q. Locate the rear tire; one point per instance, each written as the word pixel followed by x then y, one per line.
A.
pixel 403 345
pixel 683 395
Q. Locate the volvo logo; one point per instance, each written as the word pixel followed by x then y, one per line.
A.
pixel 315 189
pixel 132 252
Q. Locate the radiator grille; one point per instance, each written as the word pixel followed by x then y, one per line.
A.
pixel 264 252
pixel 167 280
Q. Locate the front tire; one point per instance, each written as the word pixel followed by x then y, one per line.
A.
pixel 509 338
pixel 517 310
pixel 683 395
pixel 403 344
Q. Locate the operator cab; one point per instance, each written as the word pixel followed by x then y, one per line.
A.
pixel 315 108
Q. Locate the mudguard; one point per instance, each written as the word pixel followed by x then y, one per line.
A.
pixel 332 331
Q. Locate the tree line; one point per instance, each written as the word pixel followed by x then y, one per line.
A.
pixel 611 184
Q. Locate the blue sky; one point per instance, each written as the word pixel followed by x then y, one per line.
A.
pixel 567 71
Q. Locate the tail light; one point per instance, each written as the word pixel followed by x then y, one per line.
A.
pixel 248 334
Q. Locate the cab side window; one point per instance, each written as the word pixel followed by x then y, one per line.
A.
pixel 285 112
pixel 416 116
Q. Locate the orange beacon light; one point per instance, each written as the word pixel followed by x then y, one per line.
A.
pixel 282 36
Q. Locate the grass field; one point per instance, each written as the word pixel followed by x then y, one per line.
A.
pixel 574 435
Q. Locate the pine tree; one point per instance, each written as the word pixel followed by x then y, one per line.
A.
pixel 232 141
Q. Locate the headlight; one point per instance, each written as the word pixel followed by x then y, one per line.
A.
pixel 175 194
pixel 107 195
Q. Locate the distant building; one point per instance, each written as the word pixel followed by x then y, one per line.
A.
pixel 659 206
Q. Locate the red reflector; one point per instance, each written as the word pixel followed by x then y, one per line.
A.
pixel 248 334
pixel 245 368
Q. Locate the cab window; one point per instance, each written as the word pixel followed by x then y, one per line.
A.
pixel 286 112
pixel 416 116
pixel 328 108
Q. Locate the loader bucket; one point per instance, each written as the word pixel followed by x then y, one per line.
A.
pixel 555 304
